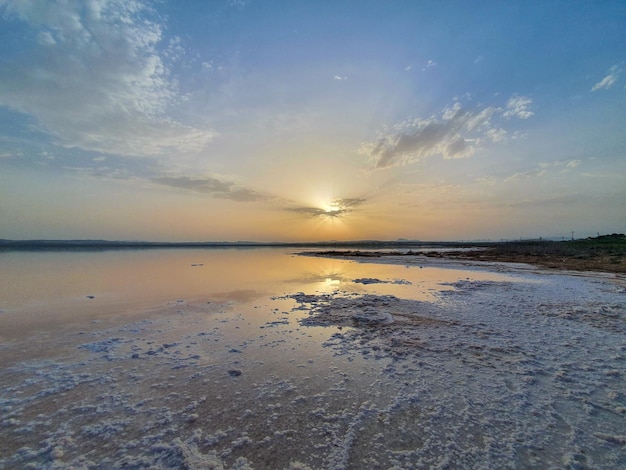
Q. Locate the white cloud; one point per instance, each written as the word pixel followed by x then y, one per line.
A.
pixel 545 168
pixel 518 107
pixel 339 77
pixel 457 133
pixel 496 135
pixel 481 119
pixel 487 180
pixel 430 64
pixel 239 4
pixel 560 164
pixel 46 39
pixel 425 137
pixel 607 82
pixel 99 81
pixel 525 174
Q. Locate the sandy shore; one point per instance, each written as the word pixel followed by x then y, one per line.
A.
pixel 523 370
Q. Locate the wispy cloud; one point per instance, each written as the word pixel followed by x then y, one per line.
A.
pixel 98 80
pixel 239 4
pixel 430 64
pixel 519 107
pixel 542 169
pixel 608 81
pixel 564 164
pixel 543 201
pixel 214 187
pixel 496 135
pixel 534 173
pixel 456 133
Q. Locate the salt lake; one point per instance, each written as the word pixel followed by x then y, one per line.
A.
pixel 266 358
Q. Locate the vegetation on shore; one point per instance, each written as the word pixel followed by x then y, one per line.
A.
pixel 606 253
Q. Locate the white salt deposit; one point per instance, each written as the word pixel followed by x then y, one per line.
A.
pixel 527 370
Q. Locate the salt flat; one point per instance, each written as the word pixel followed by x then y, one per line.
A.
pixel 333 364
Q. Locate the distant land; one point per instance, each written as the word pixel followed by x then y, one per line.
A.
pixel 26 245
pixel 606 253
pixel 36 245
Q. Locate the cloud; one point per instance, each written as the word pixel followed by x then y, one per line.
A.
pixel 496 135
pixel 310 211
pixel 96 79
pixel 456 133
pixel 518 107
pixel 214 187
pixel 487 180
pixel 565 199
pixel 565 164
pixel 337 208
pixel 543 168
pixel 608 81
pixel 347 203
pixel 340 78
pixel 239 4
pixel 525 174
pixel 430 64
pixel 448 136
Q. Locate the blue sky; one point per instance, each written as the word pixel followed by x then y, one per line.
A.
pixel 311 120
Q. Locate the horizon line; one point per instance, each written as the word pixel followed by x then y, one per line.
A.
pixel 88 242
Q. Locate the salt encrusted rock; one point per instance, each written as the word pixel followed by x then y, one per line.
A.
pixel 235 372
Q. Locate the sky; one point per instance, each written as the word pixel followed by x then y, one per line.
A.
pixel 228 120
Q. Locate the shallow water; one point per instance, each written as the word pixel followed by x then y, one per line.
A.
pixel 96 283
pixel 263 359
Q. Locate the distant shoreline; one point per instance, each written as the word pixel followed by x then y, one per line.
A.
pixel 61 245
pixel 606 253
pixel 601 254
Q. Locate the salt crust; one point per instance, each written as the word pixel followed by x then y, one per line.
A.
pixel 525 374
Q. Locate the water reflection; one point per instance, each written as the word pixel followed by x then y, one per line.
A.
pixel 45 282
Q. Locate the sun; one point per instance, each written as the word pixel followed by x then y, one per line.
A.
pixel 332 210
